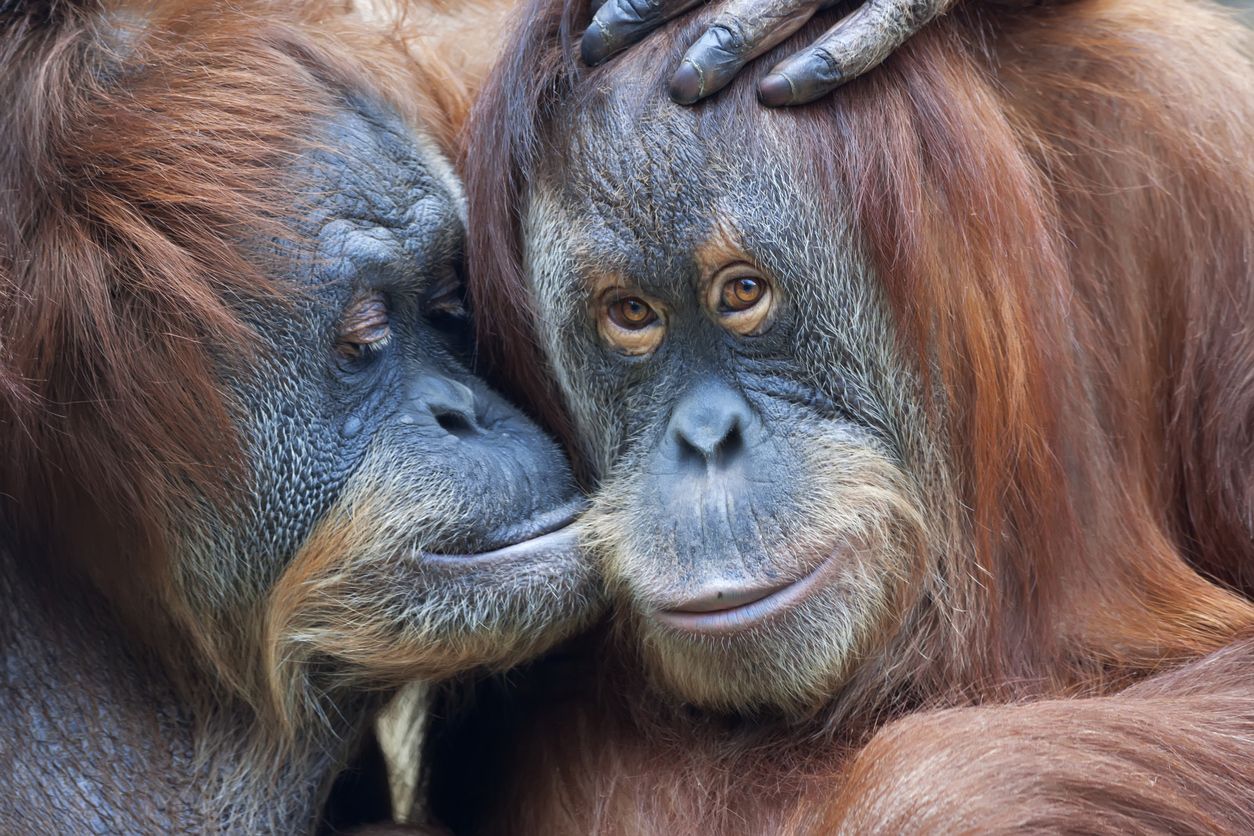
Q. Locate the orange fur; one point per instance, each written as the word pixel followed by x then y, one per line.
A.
pixel 147 157
pixel 1059 202
pixel 105 311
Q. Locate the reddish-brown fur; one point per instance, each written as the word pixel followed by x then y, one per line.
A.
pixel 1060 205
pixel 113 413
pixel 141 145
pixel 1170 754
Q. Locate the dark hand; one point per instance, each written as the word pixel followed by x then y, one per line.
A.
pixel 746 29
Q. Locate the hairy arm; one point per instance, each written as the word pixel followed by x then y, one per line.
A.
pixel 1172 754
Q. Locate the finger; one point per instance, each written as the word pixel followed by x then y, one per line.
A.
pixel 847 50
pixel 742 31
pixel 620 23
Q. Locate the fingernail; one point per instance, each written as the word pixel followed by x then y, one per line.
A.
pixel 686 84
pixel 594 45
pixel 775 90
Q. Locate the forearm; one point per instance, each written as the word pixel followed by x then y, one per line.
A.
pixel 1173 754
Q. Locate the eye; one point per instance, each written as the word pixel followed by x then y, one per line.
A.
pixel 630 323
pixel 446 308
pixel 632 313
pixel 741 299
pixel 742 293
pixel 365 326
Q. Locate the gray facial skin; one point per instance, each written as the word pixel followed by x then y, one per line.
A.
pixel 755 507
pixel 387 218
pixel 395 520
pixel 440 500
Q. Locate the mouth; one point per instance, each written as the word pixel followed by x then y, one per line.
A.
pixel 730 609
pixel 549 532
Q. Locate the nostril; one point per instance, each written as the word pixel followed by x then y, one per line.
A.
pixel 713 448
pixel 710 428
pixel 450 403
pixel 731 445
pixel 455 423
pixel 688 451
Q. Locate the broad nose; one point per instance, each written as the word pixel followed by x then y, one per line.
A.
pixel 708 427
pixel 451 404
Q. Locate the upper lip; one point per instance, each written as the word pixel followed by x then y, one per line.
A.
pixel 537 525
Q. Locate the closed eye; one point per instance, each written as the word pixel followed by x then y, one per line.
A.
pixel 365 326
pixel 447 311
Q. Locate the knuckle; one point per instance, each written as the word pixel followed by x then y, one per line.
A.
pixel 638 11
pixel 920 10
pixel 730 35
pixel 825 65
pixel 909 14
pixel 599 37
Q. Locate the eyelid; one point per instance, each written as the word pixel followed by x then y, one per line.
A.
pixel 448 304
pixel 447 294
pixel 746 322
pixel 634 342
pixel 618 293
pixel 366 321
pixel 366 314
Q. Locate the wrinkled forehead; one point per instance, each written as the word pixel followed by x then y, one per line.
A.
pixel 636 180
pixel 632 172
pixel 368 154
pixel 380 196
pixel 632 184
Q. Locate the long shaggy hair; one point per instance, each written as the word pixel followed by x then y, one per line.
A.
pixel 144 146
pixel 1058 203
pixel 140 146
pixel 1060 207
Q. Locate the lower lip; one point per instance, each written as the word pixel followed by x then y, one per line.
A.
pixel 738 619
pixel 561 541
pixel 538 525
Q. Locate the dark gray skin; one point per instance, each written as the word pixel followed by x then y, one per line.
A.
pixel 100 733
pixel 385 218
pixel 755 507
pixel 731 465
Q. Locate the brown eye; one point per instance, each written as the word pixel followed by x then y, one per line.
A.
pixel 632 313
pixel 629 323
pixel 743 293
pixel 741 299
pixel 365 325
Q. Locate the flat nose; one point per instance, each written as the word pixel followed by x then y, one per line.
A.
pixel 708 426
pixel 451 403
